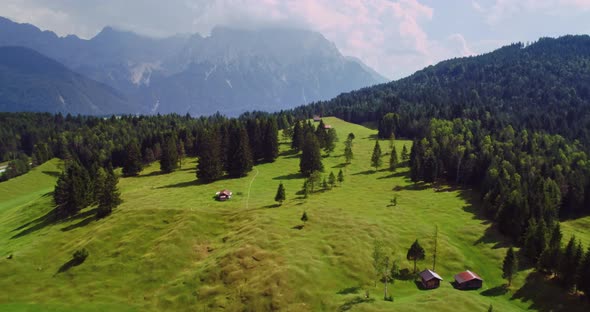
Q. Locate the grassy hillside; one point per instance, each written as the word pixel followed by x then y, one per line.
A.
pixel 170 246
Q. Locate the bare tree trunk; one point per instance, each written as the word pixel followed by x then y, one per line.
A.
pixel 385 288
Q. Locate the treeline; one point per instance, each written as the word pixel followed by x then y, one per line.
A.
pixel 521 176
pixel 92 147
pixel 541 87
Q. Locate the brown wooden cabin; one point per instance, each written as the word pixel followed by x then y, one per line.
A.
pixel 317 118
pixel 224 195
pixel 468 280
pixel 430 279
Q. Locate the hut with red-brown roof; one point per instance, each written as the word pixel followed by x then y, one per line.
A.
pixel 468 280
pixel 224 195
pixel 430 279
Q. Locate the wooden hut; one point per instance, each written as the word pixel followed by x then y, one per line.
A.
pixel 430 279
pixel 224 195
pixel 468 280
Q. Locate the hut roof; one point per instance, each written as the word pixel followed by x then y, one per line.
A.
pixel 466 276
pixel 427 275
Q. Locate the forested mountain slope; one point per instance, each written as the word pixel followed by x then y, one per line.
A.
pixel 543 86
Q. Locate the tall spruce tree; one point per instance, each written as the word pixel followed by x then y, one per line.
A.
pixel 376 160
pixel 393 160
pixel 280 196
pixel 73 190
pixel 569 263
pixel 405 154
pixel 210 165
pixel 133 160
pixel 109 196
pixel 584 275
pixel 169 157
pixel 340 177
pixel 271 141
pixel 239 156
pixel 298 136
pixel 509 266
pixel 311 158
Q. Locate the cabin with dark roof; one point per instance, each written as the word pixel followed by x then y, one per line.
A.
pixel 468 280
pixel 430 279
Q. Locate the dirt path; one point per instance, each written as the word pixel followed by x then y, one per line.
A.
pixel 250 187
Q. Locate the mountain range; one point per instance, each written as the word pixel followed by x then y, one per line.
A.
pixel 230 71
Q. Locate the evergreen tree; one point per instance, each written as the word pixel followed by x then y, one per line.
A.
pixel 509 266
pixel 549 260
pixel 415 253
pixel 313 180
pixel 148 156
pixel 133 164
pixel 340 177
pixel 569 263
pixel 298 136
pixel 376 160
pixel 332 179
pixel 584 275
pixel 393 160
pixel 181 153
pixel 325 184
pixel 109 197
pixel 405 155
pixel 73 190
pixel 239 157
pixel 280 196
pixel 169 158
pixel 304 217
pixel 331 139
pixel 210 166
pixel 321 134
pixel 348 155
pixel 271 141
pixel 311 159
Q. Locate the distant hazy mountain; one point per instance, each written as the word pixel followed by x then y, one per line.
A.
pixel 30 81
pixel 230 71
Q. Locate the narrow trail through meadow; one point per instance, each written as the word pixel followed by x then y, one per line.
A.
pixel 250 187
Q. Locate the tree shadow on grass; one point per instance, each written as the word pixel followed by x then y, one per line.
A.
pixel 291 176
pixel 395 175
pixel 366 172
pixel 351 303
pixel 151 174
pixel 183 184
pixel 349 290
pixel 68 265
pixel 545 295
pixel 339 166
pixel 80 224
pixel 298 227
pixel 491 235
pixel 405 275
pixel 272 206
pixel 51 218
pixel 496 291
pixel 420 186
pixel 54 174
pixel 290 152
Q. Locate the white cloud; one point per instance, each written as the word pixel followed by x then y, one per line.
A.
pixel 388 35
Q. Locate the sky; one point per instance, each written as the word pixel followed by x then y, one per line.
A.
pixel 394 37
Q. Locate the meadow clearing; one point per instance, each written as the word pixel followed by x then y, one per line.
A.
pixel 171 246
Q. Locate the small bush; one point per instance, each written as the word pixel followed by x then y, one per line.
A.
pixel 389 298
pixel 80 255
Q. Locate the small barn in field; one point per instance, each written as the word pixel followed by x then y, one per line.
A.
pixel 430 279
pixel 317 118
pixel 468 280
pixel 223 195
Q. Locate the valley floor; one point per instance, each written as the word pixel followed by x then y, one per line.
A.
pixel 170 246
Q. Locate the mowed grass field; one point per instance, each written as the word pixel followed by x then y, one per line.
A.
pixel 171 247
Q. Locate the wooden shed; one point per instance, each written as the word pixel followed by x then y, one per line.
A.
pixel 430 279
pixel 224 195
pixel 468 280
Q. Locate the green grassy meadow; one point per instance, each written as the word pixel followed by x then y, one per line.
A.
pixel 171 247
